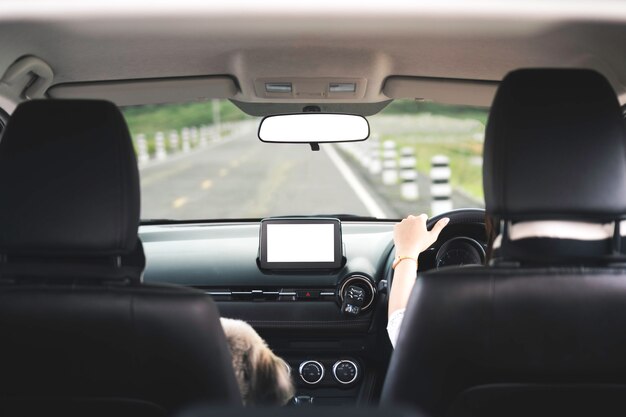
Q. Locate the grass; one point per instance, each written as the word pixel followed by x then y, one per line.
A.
pixel 445 130
pixel 466 171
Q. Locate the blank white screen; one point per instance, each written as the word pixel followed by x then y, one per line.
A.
pixel 300 243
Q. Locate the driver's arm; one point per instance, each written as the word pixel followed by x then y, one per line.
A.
pixel 410 238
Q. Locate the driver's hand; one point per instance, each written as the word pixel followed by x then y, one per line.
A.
pixel 411 237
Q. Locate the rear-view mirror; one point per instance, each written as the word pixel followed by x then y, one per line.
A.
pixel 313 128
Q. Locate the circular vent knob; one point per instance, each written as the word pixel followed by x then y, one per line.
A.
pixel 311 372
pixel 363 283
pixel 345 371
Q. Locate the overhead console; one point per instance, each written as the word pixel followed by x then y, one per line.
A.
pixel 299 88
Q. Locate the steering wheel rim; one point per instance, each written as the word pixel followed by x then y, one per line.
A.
pixel 458 216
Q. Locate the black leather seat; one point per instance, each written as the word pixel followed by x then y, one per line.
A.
pixel 79 333
pixel 541 332
pixel 304 411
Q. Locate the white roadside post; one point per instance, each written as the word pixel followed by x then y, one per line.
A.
pixel 142 149
pixel 174 141
pixel 186 137
pixel 204 135
pixel 408 174
pixel 159 143
pixel 194 136
pixel 440 189
pixel 216 120
pixel 376 165
pixel 390 163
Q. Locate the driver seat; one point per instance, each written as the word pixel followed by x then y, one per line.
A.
pixel 542 330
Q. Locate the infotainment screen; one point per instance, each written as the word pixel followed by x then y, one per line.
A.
pixel 296 243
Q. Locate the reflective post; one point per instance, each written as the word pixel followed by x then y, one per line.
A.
pixel 159 143
pixel 204 135
pixel 186 137
pixel 174 140
pixel 390 163
pixel 408 174
pixel 216 119
pixel 440 189
pixel 194 136
pixel 142 149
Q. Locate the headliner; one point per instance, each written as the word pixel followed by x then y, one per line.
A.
pixel 476 40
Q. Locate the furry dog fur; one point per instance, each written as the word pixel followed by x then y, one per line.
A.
pixel 262 376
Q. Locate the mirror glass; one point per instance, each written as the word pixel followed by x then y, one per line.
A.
pixel 313 128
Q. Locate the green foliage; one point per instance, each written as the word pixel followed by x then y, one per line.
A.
pixel 150 119
pixel 417 107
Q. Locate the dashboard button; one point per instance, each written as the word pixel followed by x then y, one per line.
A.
pixel 307 294
pixel 311 372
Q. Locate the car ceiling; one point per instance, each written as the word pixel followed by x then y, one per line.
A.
pixel 457 40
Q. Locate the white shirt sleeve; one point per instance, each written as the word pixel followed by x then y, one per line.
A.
pixel 393 325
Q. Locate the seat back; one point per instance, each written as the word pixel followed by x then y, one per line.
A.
pixel 539 332
pixel 81 334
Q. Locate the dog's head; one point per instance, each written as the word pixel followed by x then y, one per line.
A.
pixel 262 376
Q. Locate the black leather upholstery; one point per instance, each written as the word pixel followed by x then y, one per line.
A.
pixel 80 334
pixel 473 339
pixel 554 147
pixel 541 341
pixel 338 411
pixel 156 345
pixel 68 180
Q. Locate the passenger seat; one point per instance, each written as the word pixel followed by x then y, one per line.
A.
pixel 79 333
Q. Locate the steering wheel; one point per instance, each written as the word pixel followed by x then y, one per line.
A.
pixel 457 217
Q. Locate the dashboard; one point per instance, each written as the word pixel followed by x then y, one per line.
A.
pixel 337 356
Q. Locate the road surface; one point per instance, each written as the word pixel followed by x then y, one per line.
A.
pixel 240 177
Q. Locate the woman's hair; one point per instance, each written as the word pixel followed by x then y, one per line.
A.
pixel 492 229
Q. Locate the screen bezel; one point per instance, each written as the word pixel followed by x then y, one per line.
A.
pixel 338 250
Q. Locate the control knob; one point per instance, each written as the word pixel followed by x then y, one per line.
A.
pixel 311 372
pixel 345 371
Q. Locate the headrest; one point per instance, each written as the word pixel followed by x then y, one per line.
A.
pixel 557 242
pixel 68 180
pixel 555 148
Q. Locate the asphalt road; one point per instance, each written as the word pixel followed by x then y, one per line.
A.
pixel 240 177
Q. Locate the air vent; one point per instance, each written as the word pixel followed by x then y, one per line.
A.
pixel 362 282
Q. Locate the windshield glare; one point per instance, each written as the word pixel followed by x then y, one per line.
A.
pixel 203 160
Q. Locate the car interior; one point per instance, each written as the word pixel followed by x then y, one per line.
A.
pixel 111 304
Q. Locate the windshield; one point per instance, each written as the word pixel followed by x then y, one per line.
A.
pixel 203 160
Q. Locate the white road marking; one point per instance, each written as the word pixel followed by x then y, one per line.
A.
pixel 358 188
pixel 206 184
pixel 179 202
